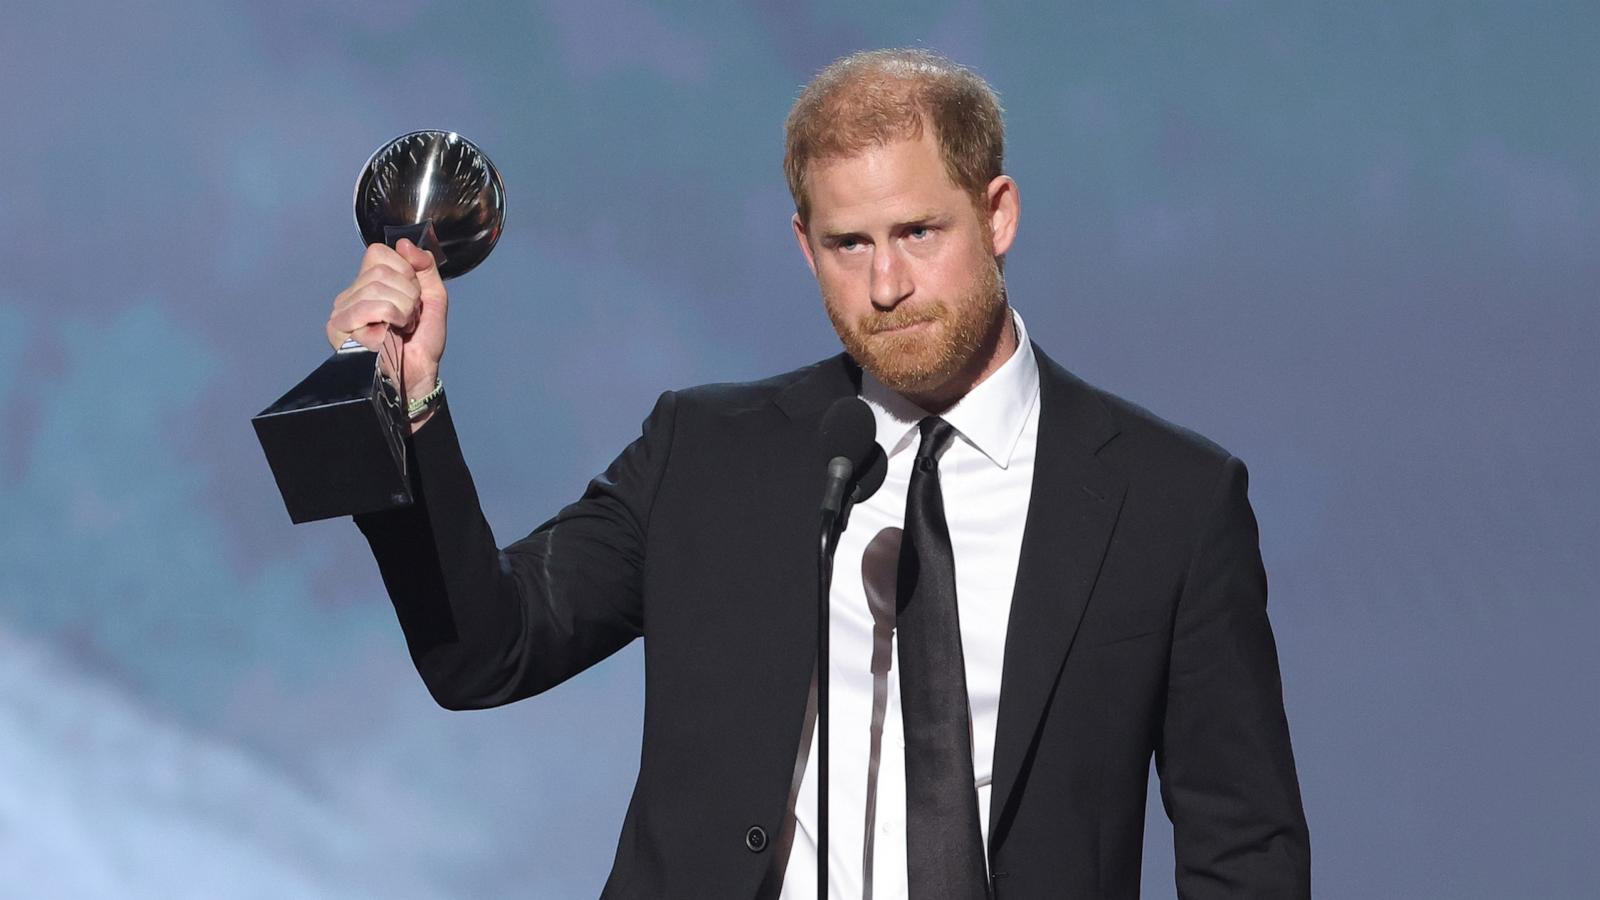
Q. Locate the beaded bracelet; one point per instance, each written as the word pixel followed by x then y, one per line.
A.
pixel 416 408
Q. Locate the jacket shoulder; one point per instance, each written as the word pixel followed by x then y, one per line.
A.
pixel 1143 446
pixel 1138 425
pixel 733 398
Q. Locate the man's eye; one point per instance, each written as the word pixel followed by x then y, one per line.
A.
pixel 919 232
pixel 848 244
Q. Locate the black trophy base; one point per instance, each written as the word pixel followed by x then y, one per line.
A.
pixel 336 441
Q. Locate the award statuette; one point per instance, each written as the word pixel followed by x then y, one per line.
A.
pixel 336 441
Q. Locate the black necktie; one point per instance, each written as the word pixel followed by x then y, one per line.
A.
pixel 944 847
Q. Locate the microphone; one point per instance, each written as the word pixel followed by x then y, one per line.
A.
pixel 849 447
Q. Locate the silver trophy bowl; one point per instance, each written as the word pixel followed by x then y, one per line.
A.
pixel 438 189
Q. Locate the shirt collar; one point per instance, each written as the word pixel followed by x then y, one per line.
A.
pixel 990 417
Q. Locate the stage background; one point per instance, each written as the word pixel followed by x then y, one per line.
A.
pixel 1355 243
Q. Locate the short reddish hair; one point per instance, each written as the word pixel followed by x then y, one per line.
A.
pixel 877 96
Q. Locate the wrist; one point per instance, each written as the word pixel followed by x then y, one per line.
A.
pixel 420 382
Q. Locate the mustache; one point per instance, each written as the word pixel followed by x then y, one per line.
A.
pixel 900 318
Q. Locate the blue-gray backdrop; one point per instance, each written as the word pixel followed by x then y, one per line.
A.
pixel 1356 243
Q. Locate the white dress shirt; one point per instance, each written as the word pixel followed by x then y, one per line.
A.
pixel 986 477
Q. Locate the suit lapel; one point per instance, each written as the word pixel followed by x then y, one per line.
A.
pixel 1072 510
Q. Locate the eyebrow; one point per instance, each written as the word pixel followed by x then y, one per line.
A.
pixel 927 218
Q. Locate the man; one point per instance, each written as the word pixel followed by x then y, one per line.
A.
pixel 1068 583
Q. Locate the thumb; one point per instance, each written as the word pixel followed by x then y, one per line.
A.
pixel 423 263
pixel 420 259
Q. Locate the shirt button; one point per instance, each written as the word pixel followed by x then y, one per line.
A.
pixel 755 840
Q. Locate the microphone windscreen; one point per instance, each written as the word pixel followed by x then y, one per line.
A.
pixel 848 430
pixel 870 477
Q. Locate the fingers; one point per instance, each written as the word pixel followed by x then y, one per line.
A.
pixel 385 294
pixel 397 288
pixel 375 304
pixel 386 282
pixel 367 321
pixel 387 257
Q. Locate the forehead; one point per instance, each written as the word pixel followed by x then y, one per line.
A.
pixel 898 180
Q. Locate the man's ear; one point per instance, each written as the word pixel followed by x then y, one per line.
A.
pixel 1004 207
pixel 805 246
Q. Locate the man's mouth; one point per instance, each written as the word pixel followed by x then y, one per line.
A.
pixel 902 327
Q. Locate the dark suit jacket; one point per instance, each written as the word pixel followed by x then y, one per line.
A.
pixel 1138 626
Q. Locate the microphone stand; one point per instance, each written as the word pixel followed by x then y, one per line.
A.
pixel 834 513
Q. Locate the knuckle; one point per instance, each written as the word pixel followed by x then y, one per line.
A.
pixel 394 278
pixel 364 311
pixel 380 259
pixel 377 290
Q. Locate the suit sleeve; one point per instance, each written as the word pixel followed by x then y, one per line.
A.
pixel 1227 771
pixel 487 626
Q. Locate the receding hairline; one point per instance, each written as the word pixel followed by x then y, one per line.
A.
pixel 876 96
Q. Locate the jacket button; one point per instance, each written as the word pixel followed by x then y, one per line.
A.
pixel 755 839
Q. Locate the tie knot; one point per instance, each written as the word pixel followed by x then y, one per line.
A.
pixel 936 435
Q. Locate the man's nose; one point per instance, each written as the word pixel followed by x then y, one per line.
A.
pixel 891 277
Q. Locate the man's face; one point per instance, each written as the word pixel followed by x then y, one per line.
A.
pixel 906 263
